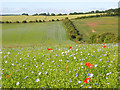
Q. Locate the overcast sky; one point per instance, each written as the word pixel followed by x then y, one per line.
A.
pixel 55 6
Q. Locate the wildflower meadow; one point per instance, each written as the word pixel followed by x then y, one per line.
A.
pixel 69 66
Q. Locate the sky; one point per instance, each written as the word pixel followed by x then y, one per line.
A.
pixel 54 6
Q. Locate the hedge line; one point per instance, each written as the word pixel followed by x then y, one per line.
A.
pixel 36 21
pixel 107 37
pixel 72 32
pixel 101 15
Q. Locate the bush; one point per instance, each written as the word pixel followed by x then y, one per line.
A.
pixel 40 20
pixel 53 20
pixel 37 21
pixel 104 38
pixel 7 22
pixel 57 20
pixel 72 32
pixel 24 21
pixel 17 22
pixel 31 21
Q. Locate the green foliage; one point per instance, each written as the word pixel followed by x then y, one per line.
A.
pixel 37 21
pixel 40 20
pixel 72 32
pixel 7 22
pixel 17 22
pixel 24 21
pixel 53 20
pixel 103 38
pixel 31 21
pixel 27 64
pixel 25 14
pixel 57 20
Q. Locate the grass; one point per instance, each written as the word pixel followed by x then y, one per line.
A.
pixel 99 25
pixel 34 34
pixel 46 18
pixel 39 68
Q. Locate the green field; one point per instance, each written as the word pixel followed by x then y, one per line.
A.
pixel 33 34
pixel 39 68
pixel 46 18
pixel 34 66
pixel 90 26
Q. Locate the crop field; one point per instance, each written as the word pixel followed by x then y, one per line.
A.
pixel 80 66
pixel 96 25
pixel 33 34
pixel 46 18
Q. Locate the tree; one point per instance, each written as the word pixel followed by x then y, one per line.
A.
pixel 25 14
pixel 52 14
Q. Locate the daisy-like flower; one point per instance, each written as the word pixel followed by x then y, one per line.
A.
pixel 74 57
pixel 96 65
pixel 39 73
pixel 79 82
pixel 60 60
pixel 108 83
pixel 5 61
pixel 81 63
pixel 90 75
pixel 82 67
pixel 37 80
pixel 32 72
pixel 17 83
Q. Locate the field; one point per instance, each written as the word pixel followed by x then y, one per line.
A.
pixel 60 67
pixel 46 18
pixel 96 25
pixel 34 34
pixel 27 63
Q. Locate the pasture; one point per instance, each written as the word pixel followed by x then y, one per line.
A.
pixel 46 18
pixel 60 67
pixel 96 26
pixel 34 34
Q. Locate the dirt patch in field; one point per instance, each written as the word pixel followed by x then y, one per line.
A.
pixel 93 31
pixel 93 25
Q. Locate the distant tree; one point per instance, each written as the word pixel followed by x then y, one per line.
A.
pixel 44 14
pixel 52 14
pixel 35 14
pixel 59 14
pixel 48 14
pixel 25 14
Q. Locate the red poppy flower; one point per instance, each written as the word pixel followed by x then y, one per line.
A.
pixel 70 47
pixel 87 64
pixel 49 49
pixel 104 46
pixel 10 47
pixel 7 76
pixel 91 66
pixel 87 80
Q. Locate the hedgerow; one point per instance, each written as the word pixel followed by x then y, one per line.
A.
pixel 72 32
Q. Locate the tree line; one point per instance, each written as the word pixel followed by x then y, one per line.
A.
pixel 76 13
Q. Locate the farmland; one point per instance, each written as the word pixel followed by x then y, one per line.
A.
pixel 91 26
pixel 60 67
pixel 33 34
pixel 46 18
pixel 27 63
